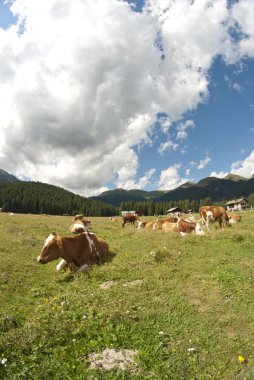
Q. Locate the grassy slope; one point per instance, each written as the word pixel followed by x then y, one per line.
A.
pixel 198 291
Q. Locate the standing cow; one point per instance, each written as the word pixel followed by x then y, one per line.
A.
pixel 214 214
pixel 129 218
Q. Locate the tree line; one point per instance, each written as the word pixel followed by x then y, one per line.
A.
pixel 41 198
pixel 151 207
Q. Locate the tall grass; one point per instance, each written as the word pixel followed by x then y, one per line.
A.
pixel 190 317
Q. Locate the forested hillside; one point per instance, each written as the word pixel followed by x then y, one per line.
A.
pixel 230 187
pixel 41 198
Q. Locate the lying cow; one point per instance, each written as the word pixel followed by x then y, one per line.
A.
pixel 188 226
pixel 129 218
pixel 234 218
pixel 147 225
pixel 214 214
pixel 80 224
pixel 159 223
pixel 77 252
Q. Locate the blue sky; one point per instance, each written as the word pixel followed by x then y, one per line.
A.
pixel 106 94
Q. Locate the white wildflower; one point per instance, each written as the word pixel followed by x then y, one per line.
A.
pixel 3 361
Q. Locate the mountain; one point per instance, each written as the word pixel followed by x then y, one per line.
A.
pixel 115 197
pixel 234 177
pixel 36 197
pixel 230 187
pixel 6 177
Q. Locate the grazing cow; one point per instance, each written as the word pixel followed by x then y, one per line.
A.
pixel 77 252
pixel 213 214
pixel 129 218
pixel 234 218
pixel 184 227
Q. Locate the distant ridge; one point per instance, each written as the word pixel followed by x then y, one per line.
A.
pixel 235 177
pixel 6 177
pixel 230 187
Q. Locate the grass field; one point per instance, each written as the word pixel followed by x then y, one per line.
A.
pixel 190 315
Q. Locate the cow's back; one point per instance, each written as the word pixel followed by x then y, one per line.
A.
pixel 169 227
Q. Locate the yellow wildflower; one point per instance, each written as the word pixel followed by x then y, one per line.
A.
pixel 241 359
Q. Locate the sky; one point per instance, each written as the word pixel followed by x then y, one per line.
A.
pixel 105 94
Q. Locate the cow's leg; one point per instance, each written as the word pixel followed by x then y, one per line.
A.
pixel 61 265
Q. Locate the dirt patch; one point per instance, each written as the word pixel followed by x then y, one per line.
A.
pixel 113 359
pixel 108 284
pixel 204 296
pixel 133 283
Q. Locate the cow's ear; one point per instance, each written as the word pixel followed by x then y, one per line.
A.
pixel 59 242
pixel 53 233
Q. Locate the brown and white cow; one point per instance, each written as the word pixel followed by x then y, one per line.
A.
pixel 77 252
pixel 214 214
pixel 147 225
pixel 80 224
pixel 184 227
pixel 129 218
pixel 234 218
pixel 160 221
pixel 168 227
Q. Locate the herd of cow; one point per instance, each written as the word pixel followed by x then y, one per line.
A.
pixel 79 251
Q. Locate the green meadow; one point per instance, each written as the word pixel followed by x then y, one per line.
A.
pixel 184 305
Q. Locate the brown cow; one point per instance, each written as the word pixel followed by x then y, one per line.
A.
pixel 213 214
pixel 129 218
pixel 234 218
pixel 77 252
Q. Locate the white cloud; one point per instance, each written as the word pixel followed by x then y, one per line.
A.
pixel 168 145
pixel 170 178
pixel 244 168
pixel 140 184
pixel 203 163
pixel 82 82
pixel 220 174
pixel 165 123
pixel 182 128
pixel 242 13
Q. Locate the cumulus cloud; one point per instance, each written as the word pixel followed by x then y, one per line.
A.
pixel 244 168
pixel 220 174
pixel 170 178
pixel 182 129
pixel 83 82
pixel 140 184
pixel 203 163
pixel 167 146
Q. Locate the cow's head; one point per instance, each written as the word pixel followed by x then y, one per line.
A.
pixel 51 249
pixel 141 225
